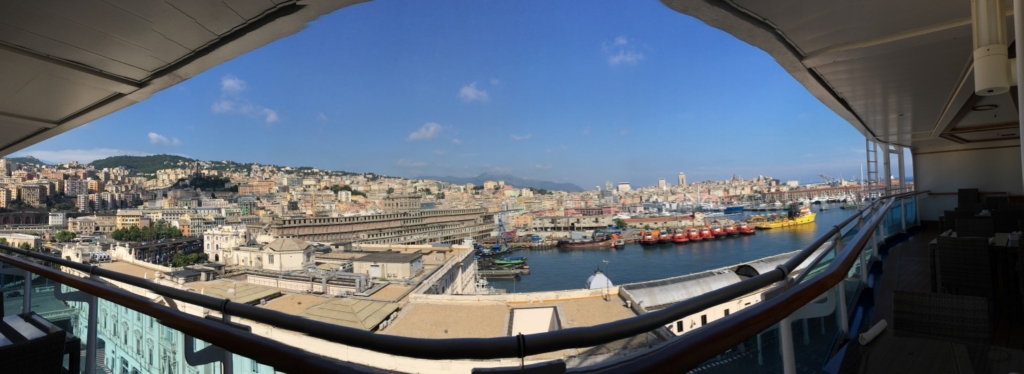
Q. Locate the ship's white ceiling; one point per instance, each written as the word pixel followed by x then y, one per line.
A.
pixel 66 62
pixel 898 71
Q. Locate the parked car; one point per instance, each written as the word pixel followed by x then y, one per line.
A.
pixel 13 294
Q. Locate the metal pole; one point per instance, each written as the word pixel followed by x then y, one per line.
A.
pixel 228 363
pixel 786 343
pixel 887 161
pixel 90 335
pixel 1018 32
pixel 902 169
pixel 26 297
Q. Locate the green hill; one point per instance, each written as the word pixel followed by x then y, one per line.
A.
pixel 143 164
pixel 27 160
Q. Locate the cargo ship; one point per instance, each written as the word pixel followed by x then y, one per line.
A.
pixel 795 216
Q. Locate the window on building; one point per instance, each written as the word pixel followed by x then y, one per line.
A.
pixel 679 326
pixel 124 366
pixel 727 312
pixel 254 366
pixel 270 259
pixel 150 356
pixel 703 319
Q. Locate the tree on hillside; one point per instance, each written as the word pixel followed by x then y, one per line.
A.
pixel 620 223
pixel 64 235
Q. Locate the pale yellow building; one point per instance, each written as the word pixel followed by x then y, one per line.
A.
pixel 128 218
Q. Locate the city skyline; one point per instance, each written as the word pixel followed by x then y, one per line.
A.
pixel 583 94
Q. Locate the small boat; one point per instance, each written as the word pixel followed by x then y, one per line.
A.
pixel 680 237
pixel 705 233
pixel 745 229
pixel 664 238
pixel 619 244
pixel 510 261
pixel 694 235
pixel 730 230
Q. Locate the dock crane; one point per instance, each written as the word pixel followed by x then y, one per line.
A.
pixel 832 182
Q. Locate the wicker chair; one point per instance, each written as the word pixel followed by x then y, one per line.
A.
pixel 963 266
pixel 966 196
pixel 955 318
pixel 1006 220
pixel 950 216
pixel 40 355
pixel 997 202
pixel 975 227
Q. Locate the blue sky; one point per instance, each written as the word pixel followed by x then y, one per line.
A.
pixel 579 92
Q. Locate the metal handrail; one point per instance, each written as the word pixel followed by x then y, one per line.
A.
pixel 268 351
pixel 476 348
pixel 695 348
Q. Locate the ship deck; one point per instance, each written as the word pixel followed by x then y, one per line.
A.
pixel 908 268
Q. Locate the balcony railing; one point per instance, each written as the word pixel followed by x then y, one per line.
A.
pixel 831 280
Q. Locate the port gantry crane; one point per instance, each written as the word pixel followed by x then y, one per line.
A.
pixel 832 182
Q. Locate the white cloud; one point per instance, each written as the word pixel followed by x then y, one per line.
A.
pixel 542 167
pixel 80 155
pixel 586 131
pixel 521 137
pixel 232 101
pixel 155 138
pixel 623 132
pixel 428 131
pixel 439 152
pixel 270 115
pixel 495 82
pixel 321 117
pixel 456 141
pixel 410 164
pixel 621 51
pixel 223 106
pixel 229 84
pixel 470 93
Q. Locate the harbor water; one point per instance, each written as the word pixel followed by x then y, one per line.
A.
pixel 562 269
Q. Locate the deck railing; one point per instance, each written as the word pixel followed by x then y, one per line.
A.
pixel 852 242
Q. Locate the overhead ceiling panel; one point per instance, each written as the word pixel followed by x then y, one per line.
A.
pixel 66 62
pixel 900 91
pixel 815 24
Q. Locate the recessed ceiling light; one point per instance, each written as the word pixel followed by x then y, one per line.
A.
pixel 985 107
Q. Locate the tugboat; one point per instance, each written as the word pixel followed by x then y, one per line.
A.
pixel 694 235
pixel 744 229
pixel 795 216
pixel 649 237
pixel 730 230
pixel 680 237
pixel 705 233
pixel 664 238
pixel 716 230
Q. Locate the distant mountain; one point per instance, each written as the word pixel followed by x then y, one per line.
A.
pixel 142 164
pixel 510 179
pixel 27 160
